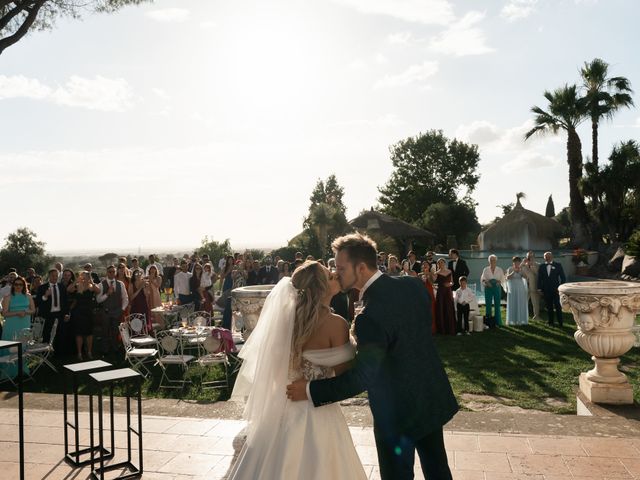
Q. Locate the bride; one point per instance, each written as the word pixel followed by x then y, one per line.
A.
pixel 296 336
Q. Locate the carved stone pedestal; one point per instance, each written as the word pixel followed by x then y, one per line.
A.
pixel 605 314
pixel 249 302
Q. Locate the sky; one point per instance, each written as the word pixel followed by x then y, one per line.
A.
pixel 152 127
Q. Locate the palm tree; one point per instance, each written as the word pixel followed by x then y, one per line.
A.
pixel 604 97
pixel 566 111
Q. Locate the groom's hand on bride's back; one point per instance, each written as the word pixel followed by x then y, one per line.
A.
pixel 297 390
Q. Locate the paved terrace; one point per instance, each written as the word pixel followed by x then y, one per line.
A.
pixel 187 441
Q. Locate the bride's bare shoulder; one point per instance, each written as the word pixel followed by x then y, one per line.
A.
pixel 338 329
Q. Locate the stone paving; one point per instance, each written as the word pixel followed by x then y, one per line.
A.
pixel 184 448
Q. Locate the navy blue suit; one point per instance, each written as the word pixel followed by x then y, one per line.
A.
pixel 397 363
pixel 549 284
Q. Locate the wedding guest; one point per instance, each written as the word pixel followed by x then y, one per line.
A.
pixel 331 264
pixel 182 284
pixel 225 275
pixel 385 258
pixel 430 260
pixel 31 273
pixel 8 283
pixel 530 269
pixel 169 273
pixel 52 305
pixel 153 295
pixel 458 266
pixel 113 301
pixel 492 279
pixel 154 262
pixel 517 308
pixel 68 278
pixel 94 276
pixel 139 291
pixel 381 264
pixel 82 300
pixel 406 270
pixel 36 281
pixel 252 275
pixel 393 270
pixel 206 286
pixel 285 271
pixel 123 275
pixel 58 266
pixel 17 308
pixel 464 297
pixel 427 279
pixel 445 313
pixel 414 264
pixel 268 275
pixel 194 285
pixel 550 277
pixel 135 265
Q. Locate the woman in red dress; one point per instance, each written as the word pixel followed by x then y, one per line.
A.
pixel 426 278
pixel 445 313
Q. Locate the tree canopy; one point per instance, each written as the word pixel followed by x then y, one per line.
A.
pixel 214 249
pixel 23 250
pixel 428 168
pixel 19 17
pixel 451 219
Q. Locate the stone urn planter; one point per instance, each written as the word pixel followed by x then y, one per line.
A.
pixel 605 315
pixel 249 302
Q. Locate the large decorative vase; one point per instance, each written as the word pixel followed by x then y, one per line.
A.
pixel 249 302
pixel 605 314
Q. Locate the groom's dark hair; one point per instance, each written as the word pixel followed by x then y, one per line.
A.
pixel 359 248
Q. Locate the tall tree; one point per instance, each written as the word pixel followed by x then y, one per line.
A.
pixel 428 168
pixel 550 211
pixel 18 17
pixel 23 250
pixel 604 96
pixel 327 213
pixel 567 110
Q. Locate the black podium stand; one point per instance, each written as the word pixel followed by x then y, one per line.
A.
pixel 6 344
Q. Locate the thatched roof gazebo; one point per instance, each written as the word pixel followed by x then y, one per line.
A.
pixel 521 229
pixel 380 223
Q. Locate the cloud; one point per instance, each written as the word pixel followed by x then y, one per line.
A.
pixel 400 38
pixel 386 121
pixel 529 161
pixel 168 15
pixel 518 9
pixel 98 93
pixel 159 92
pixel 413 74
pixel 479 132
pixel 462 37
pixel 428 12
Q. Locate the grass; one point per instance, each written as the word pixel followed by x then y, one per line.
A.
pixel 524 365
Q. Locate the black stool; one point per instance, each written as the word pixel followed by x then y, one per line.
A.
pixel 79 372
pixel 99 381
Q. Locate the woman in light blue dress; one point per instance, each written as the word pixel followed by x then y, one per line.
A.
pixel 517 295
pixel 17 308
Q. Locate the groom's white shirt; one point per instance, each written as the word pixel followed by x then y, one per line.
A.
pixel 373 278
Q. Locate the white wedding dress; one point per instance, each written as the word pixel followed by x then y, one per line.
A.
pixel 290 440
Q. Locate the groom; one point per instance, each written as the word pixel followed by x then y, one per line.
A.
pixel 397 363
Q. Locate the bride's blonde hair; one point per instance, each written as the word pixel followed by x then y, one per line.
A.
pixel 312 285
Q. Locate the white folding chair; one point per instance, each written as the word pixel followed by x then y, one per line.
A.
pixel 140 337
pixel 10 358
pixel 137 357
pixel 199 319
pixel 38 353
pixel 211 354
pixel 172 353
pixel 37 329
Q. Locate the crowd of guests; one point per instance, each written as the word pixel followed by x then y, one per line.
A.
pixel 80 300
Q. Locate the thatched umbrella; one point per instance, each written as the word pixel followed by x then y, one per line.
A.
pixel 377 222
pixel 521 229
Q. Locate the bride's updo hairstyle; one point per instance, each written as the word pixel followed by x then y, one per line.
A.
pixel 312 285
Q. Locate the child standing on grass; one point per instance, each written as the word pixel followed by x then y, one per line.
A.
pixel 463 298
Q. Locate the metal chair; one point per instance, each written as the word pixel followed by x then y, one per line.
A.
pixel 38 353
pixel 140 337
pixel 172 353
pixel 9 359
pixel 211 354
pixel 137 357
pixel 199 319
pixel 37 328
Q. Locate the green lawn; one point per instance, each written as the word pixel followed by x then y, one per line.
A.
pixel 525 365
